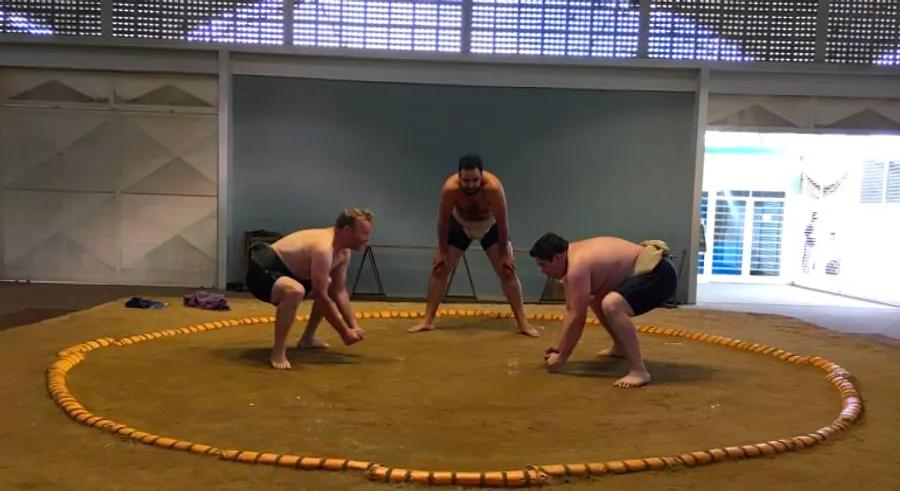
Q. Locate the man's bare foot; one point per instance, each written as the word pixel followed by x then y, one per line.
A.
pixel 279 362
pixel 614 352
pixel 633 379
pixel 304 344
pixel 421 327
pixel 530 330
pixel 353 336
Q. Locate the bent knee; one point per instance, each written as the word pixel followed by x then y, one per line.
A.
pixel 614 303
pixel 289 292
pixel 443 273
pixel 505 274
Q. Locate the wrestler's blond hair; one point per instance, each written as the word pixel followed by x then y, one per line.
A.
pixel 348 217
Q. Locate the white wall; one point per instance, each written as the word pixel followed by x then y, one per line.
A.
pixel 108 178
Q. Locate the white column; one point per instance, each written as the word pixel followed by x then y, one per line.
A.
pixel 701 107
pixel 225 138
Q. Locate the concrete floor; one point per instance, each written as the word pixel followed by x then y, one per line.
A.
pixel 834 312
pixel 28 303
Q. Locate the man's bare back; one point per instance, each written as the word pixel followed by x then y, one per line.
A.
pixel 608 260
pixel 297 250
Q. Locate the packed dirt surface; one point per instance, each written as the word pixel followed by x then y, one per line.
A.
pixel 469 396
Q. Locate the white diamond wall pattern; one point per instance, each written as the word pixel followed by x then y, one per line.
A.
pixel 41 87
pixel 169 198
pixel 778 112
pixel 56 17
pixel 43 149
pixel 856 114
pixel 733 111
pixel 113 197
pixel 159 239
pixel 422 25
pixel 98 90
pixel 80 161
pixel 181 91
pixel 60 236
pixel 165 150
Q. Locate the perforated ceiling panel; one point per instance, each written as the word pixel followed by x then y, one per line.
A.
pixel 555 27
pixel 863 31
pixel 728 30
pixel 858 31
pixel 59 17
pixel 429 25
pixel 260 22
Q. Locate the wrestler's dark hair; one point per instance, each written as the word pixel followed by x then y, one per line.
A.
pixel 547 246
pixel 471 161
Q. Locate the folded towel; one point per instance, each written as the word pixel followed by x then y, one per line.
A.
pixel 654 251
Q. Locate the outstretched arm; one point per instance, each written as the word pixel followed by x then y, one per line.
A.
pixel 445 209
pixel 578 296
pixel 339 294
pixel 500 212
pixel 321 279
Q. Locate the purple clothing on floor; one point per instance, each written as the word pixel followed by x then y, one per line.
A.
pixel 207 301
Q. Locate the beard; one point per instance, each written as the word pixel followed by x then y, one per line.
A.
pixel 473 191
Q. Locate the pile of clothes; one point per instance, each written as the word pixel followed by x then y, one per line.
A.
pixel 200 299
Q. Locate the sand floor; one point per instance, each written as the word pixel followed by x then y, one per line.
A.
pixel 470 396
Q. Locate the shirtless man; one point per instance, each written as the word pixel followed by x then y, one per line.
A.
pixel 310 264
pixel 473 207
pixel 599 273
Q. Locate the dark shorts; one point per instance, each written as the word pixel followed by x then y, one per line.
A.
pixel 264 269
pixel 650 290
pixel 457 236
